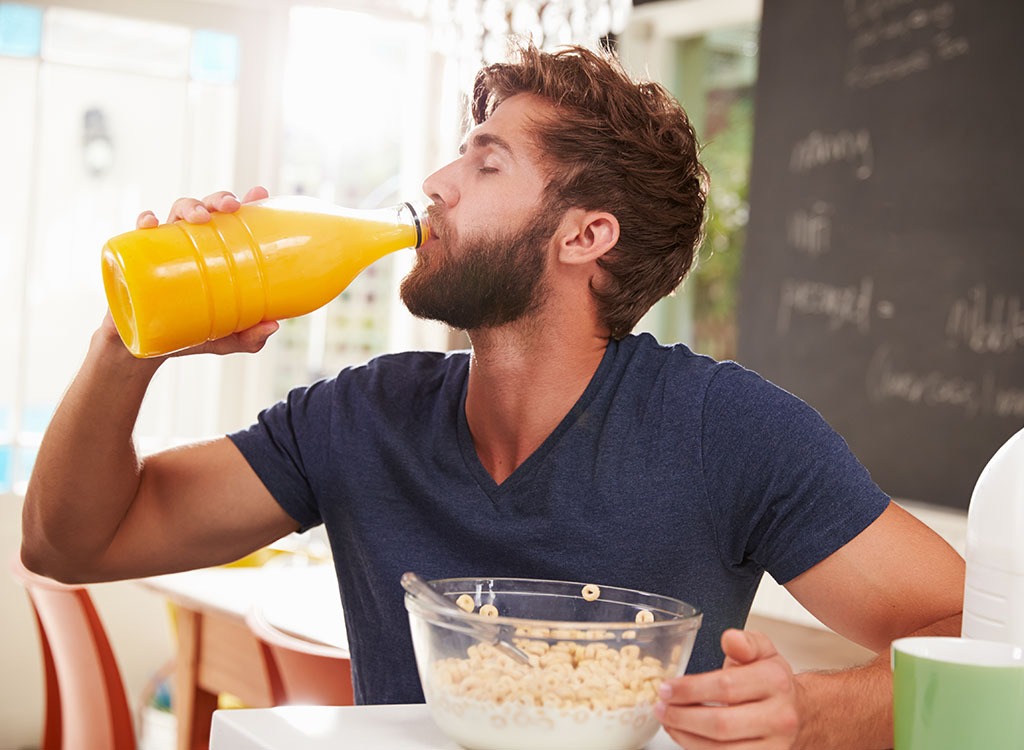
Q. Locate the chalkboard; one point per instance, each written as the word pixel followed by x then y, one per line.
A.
pixel 883 277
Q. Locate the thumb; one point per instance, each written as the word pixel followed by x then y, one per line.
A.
pixel 746 646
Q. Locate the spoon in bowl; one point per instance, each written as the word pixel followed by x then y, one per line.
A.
pixel 419 588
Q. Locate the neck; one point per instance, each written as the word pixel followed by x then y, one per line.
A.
pixel 523 380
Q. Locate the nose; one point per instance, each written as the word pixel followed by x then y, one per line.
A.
pixel 441 186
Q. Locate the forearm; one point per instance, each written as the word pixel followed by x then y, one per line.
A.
pixel 852 709
pixel 87 472
pixel 847 710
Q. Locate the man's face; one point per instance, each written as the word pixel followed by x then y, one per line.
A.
pixel 486 279
pixel 490 230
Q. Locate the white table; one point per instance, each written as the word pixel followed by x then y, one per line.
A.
pixel 299 599
pixel 405 727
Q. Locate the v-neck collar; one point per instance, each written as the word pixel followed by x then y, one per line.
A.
pixel 527 468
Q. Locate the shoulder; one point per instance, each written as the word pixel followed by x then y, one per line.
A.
pixel 642 354
pixel 393 374
pixel 386 383
pixel 419 369
pixel 676 372
pixel 730 408
pixel 403 386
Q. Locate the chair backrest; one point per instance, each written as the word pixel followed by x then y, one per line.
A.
pixel 300 671
pixel 86 704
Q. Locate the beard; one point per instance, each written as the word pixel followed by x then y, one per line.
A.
pixel 488 279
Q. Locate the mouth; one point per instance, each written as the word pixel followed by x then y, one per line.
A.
pixel 438 223
pixel 428 244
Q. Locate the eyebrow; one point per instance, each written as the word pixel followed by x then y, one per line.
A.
pixel 487 140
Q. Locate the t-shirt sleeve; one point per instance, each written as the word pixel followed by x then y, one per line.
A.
pixel 286 446
pixel 784 487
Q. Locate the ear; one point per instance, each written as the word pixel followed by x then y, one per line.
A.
pixel 584 236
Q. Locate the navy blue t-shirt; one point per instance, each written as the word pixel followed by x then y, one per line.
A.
pixel 673 474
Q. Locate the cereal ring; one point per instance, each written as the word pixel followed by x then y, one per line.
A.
pixel 465 602
pixel 644 617
pixel 591 592
pixel 489 610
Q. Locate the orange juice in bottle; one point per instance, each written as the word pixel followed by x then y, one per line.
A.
pixel 180 284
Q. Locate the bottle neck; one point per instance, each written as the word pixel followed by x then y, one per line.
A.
pixel 418 218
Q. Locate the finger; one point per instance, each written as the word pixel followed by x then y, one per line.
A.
pixel 738 684
pixel 190 210
pixel 744 722
pixel 146 220
pixel 256 193
pixel 250 340
pixel 253 339
pixel 746 646
pixel 223 200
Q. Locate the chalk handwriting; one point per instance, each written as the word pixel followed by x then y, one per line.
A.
pixel 1008 402
pixel 885 380
pixel 901 38
pixel 986 323
pixel 901 23
pixel 860 12
pixel 839 305
pixel 810 231
pixel 822 149
pixel 866 76
pixel 948 47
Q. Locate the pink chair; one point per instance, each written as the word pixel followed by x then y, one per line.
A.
pixel 300 671
pixel 86 705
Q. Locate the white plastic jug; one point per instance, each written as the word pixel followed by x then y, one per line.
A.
pixel 994 590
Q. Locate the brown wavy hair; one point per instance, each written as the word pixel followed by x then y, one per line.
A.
pixel 616 145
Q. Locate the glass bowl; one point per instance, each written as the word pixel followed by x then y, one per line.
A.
pixel 595 662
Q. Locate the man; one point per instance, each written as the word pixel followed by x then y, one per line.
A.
pixel 560 447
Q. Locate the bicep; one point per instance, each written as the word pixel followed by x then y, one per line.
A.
pixel 894 578
pixel 196 506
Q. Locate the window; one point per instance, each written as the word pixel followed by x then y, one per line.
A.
pixel 94 96
pixel 107 114
pixel 352 135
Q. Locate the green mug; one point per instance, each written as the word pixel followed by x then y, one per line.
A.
pixel 957 694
